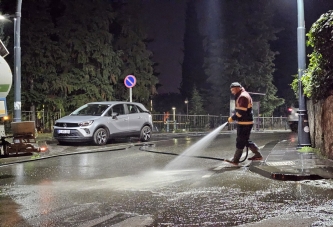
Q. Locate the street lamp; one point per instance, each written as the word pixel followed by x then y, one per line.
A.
pixel 174 113
pixel 186 121
pixel 186 102
pixel 174 118
pixel 17 60
pixel 303 124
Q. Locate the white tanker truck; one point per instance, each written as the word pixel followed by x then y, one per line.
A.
pixel 5 85
pixel 23 133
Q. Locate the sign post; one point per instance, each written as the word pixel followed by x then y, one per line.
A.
pixel 130 82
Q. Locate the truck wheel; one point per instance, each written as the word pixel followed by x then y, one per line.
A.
pixel 100 137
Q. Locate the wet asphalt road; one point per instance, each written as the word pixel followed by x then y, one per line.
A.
pixel 151 186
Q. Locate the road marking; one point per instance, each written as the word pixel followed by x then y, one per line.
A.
pixel 207 175
pixel 283 163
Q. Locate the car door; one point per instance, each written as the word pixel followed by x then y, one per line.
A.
pixel 136 119
pixel 118 121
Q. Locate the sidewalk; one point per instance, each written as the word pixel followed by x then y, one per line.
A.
pixel 282 161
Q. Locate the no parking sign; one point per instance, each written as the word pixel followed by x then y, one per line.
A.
pixel 130 81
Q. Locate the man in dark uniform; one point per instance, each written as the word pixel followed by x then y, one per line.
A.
pixel 244 117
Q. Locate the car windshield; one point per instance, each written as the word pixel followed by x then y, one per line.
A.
pixel 91 110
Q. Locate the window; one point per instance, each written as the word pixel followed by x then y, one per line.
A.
pixel 132 108
pixel 118 109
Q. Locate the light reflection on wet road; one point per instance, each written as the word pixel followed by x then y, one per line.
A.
pixel 132 188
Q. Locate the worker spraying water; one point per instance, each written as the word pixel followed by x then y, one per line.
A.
pixel 244 116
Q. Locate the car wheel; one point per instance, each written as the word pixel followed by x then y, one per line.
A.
pixel 145 134
pixel 101 136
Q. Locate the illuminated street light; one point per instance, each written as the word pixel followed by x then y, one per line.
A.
pixel 174 113
pixel 186 102
pixel 174 118
pixel 186 121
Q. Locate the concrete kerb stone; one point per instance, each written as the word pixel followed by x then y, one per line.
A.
pixel 282 161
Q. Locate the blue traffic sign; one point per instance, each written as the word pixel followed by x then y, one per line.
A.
pixel 130 81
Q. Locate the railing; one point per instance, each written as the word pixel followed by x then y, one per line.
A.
pixel 179 122
pixel 44 121
pixel 174 123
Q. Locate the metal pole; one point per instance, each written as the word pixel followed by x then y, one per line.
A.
pixel 187 110
pixel 130 90
pixel 303 124
pixel 17 63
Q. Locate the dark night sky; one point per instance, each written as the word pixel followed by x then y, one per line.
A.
pixel 166 22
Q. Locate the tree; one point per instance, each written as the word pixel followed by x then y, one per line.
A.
pixel 242 54
pixel 86 59
pixel 193 74
pixel 131 40
pixel 196 103
pixel 38 57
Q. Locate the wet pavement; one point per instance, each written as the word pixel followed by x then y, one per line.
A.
pixel 282 160
pixel 133 187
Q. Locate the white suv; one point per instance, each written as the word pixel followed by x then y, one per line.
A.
pixel 98 122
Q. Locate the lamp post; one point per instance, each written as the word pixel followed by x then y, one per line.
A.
pixel 174 118
pixel 17 62
pixel 303 124
pixel 174 113
pixel 186 102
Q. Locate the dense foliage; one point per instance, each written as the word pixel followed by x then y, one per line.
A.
pixel 236 48
pixel 193 74
pixel 75 52
pixel 317 80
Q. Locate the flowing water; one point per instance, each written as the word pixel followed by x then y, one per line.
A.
pixel 200 145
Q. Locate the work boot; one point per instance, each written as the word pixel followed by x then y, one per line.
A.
pixel 255 149
pixel 237 156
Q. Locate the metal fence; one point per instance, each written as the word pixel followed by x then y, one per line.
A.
pixel 44 121
pixel 180 122
pixel 167 123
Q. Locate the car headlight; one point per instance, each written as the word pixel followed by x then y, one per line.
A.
pixel 85 123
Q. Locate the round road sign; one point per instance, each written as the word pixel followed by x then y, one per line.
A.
pixel 130 81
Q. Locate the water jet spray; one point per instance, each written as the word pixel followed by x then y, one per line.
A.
pixel 189 152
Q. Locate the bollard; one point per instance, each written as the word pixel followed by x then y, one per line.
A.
pixel 167 123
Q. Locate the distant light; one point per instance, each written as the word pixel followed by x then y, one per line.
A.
pixel 43 149
pixel 290 109
pixel 6 17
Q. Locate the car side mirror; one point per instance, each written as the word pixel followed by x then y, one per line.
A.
pixel 114 115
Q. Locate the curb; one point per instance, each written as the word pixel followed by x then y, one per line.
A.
pixel 285 168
